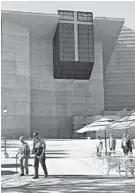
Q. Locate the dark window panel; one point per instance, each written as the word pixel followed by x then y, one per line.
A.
pixel 85 36
pixel 66 40
pixel 69 50
pixel 83 16
pixel 91 41
pixel 84 27
pixel 66 53
pixel 83 41
pixel 66 25
pixel 84 50
pixel 66 36
pixel 66 15
pixel 66 32
pixel 67 59
pixel 66 45
pixel 83 32
pixel 91 59
pixel 70 56
pixel 85 57
pixel 83 46
pixel 91 49
pixel 84 60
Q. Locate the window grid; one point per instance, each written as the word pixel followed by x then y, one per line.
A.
pixel 85 16
pixel 66 15
pixel 86 43
pixel 66 39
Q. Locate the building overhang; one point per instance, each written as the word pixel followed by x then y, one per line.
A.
pixel 106 31
pixel 39 24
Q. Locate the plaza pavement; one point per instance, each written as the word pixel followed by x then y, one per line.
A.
pixel 70 167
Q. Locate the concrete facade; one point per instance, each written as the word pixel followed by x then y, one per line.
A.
pixel 119 76
pixel 37 101
pixel 15 72
pixel 53 101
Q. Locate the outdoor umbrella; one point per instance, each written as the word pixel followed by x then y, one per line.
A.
pixel 101 124
pixel 125 122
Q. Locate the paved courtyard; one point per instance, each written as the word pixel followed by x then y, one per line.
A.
pixel 70 167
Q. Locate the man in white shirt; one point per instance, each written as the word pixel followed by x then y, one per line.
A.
pixel 99 146
pixel 124 144
pixel 112 142
pixel 24 153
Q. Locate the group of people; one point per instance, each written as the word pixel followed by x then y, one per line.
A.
pixel 127 144
pixel 38 150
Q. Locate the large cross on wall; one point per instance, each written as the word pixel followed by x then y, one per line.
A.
pixel 76 22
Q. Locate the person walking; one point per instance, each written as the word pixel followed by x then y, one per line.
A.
pixel 24 152
pixel 124 144
pixel 39 148
pixel 112 142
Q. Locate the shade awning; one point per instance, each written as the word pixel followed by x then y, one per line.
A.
pixel 125 122
pixel 101 124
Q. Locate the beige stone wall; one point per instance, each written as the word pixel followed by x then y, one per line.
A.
pixel 119 81
pixel 15 81
pixel 53 101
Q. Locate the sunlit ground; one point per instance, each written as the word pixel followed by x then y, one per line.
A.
pixel 70 166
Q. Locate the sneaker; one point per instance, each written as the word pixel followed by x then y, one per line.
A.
pixel 46 176
pixel 21 174
pixel 35 177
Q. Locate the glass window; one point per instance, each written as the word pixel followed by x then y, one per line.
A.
pixel 66 15
pixel 85 16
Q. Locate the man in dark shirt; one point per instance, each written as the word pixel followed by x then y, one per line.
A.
pixel 39 148
pixel 129 143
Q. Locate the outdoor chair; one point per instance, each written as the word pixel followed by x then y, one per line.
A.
pixel 97 157
pixel 112 163
pixel 130 166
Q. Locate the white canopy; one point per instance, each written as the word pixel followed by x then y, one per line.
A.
pixel 125 122
pixel 100 124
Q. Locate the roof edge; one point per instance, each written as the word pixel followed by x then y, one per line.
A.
pixel 29 13
pixel 110 18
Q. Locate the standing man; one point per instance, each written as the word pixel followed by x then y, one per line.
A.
pixel 124 144
pixel 39 148
pixel 129 143
pixel 24 152
pixel 99 146
pixel 112 142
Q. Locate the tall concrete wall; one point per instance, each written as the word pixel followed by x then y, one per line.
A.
pixel 55 101
pixel 34 99
pixel 119 80
pixel 15 72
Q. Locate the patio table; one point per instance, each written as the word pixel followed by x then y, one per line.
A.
pixel 111 153
pixel 123 160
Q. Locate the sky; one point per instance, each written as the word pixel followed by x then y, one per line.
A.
pixel 115 9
